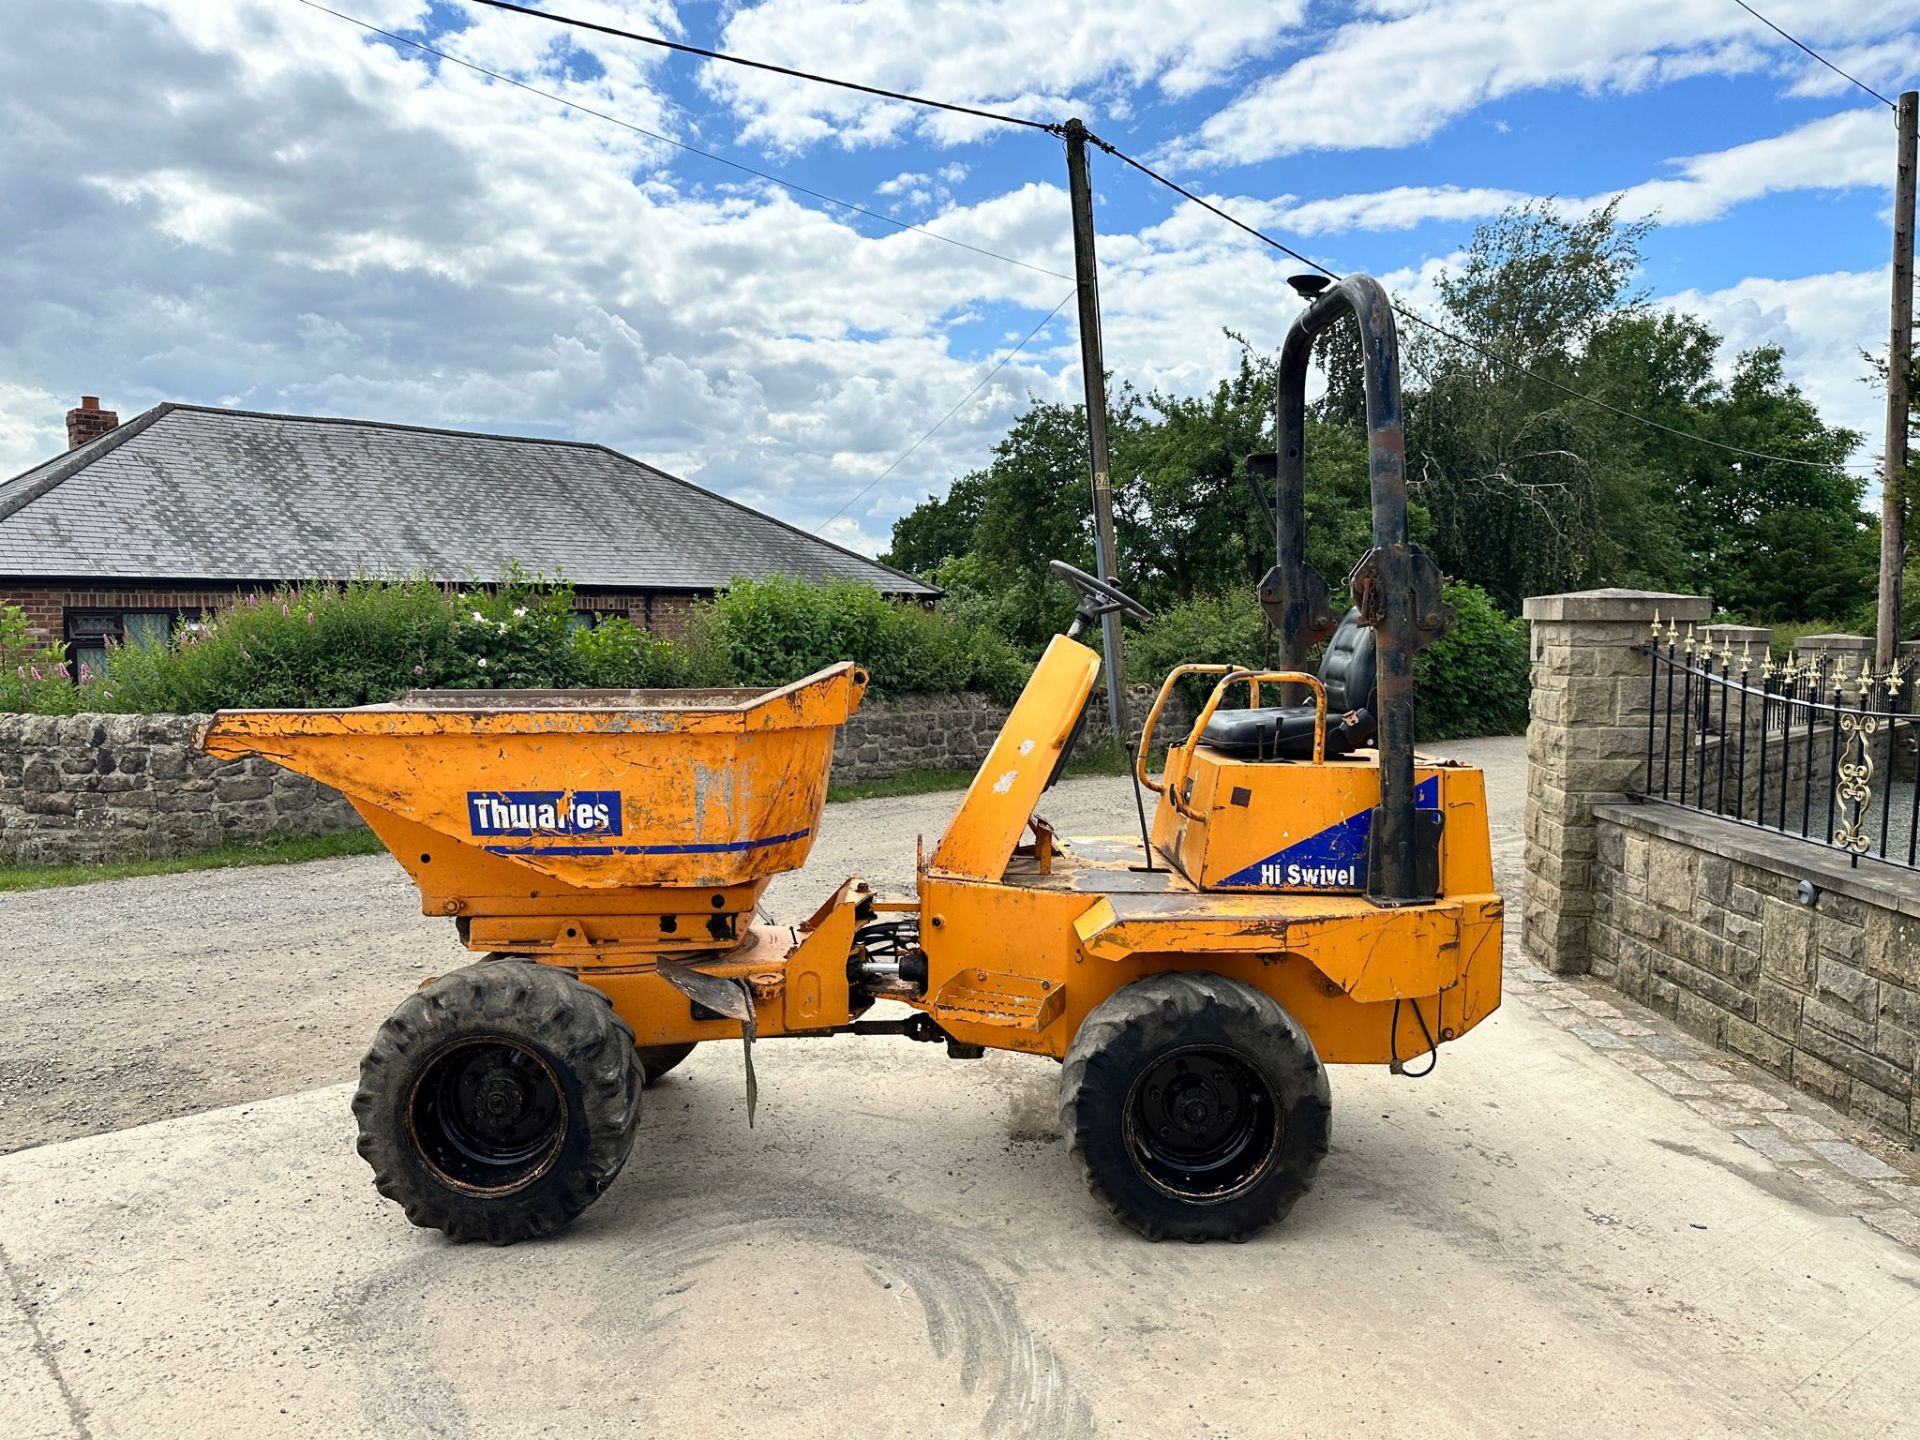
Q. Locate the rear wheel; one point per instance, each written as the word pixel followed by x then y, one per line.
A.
pixel 498 1102
pixel 657 1060
pixel 1195 1107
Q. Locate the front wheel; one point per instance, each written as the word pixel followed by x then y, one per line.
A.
pixel 1195 1107
pixel 498 1102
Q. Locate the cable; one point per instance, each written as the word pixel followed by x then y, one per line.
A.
pixel 792 185
pixel 1485 352
pixel 948 416
pixel 1815 54
pixel 764 65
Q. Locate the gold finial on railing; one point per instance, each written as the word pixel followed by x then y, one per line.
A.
pixel 1656 628
pixel 1726 652
pixel 1689 641
pixel 1866 677
pixel 1766 667
pixel 1893 680
pixel 1673 630
pixel 1746 656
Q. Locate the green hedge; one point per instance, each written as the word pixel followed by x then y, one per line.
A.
pixel 369 641
pixel 1473 681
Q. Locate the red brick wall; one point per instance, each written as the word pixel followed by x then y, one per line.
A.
pixel 46 605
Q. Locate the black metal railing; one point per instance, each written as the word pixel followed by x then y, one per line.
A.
pixel 1810 747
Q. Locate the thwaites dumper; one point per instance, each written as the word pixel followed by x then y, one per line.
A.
pixel 1311 893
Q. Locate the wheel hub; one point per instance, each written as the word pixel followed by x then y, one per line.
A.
pixel 1201 1123
pixel 487 1114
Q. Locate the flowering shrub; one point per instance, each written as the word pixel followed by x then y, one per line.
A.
pixel 368 641
pixel 34 676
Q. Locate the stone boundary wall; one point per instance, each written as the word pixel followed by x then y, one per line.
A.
pixel 80 789
pixel 954 732
pixel 1707 921
pixel 77 789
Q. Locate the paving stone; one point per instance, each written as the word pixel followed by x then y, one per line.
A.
pixel 1801 1127
pixel 1589 1005
pixel 1675 1083
pixel 1731 1117
pixel 1599 1037
pixel 1751 1096
pixel 1671 1047
pixel 1703 1070
pixel 1852 1159
pixel 1902 1225
pixel 1635 1060
pixel 1635 1028
pixel 1837 1189
pixel 1773 1145
pixel 1902 1190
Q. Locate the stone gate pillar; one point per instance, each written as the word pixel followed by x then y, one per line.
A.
pixel 1586 745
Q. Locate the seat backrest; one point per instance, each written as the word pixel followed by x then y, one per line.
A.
pixel 1346 669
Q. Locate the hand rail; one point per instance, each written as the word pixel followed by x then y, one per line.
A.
pixel 1178 672
pixel 1254 679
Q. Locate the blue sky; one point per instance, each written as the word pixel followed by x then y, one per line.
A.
pixel 261 205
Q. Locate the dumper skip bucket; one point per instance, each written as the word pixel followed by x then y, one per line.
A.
pixel 600 789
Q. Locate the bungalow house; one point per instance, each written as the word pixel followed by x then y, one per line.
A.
pixel 184 507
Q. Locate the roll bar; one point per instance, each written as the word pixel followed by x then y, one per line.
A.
pixel 1386 581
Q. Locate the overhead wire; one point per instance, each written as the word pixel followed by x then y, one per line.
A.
pixel 1795 40
pixel 725 57
pixel 867 488
pixel 773 179
pixel 1484 351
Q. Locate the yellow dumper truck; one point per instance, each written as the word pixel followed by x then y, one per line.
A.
pixel 1308 892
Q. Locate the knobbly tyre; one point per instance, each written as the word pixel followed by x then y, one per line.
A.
pixel 1309 892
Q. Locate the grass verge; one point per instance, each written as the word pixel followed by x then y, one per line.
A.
pixel 285 851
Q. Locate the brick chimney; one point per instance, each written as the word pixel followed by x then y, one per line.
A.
pixel 89 422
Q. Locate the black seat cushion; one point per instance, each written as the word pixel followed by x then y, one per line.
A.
pixel 1285 732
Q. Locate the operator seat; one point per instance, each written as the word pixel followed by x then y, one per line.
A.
pixel 1285 732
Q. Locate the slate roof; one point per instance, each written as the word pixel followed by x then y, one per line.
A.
pixel 193 492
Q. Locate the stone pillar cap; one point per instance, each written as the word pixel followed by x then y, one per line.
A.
pixel 1737 632
pixel 1617 604
pixel 1833 642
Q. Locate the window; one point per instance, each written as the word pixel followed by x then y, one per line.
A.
pixel 91 632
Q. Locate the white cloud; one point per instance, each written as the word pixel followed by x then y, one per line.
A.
pixel 1045 58
pixel 1822 322
pixel 1403 70
pixel 1845 151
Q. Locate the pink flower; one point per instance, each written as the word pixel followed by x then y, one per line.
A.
pixel 283 608
pixel 86 672
pixel 419 669
pixel 310 617
pixel 34 670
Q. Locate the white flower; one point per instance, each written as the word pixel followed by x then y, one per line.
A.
pixel 481 662
pixel 518 611
pixel 479 617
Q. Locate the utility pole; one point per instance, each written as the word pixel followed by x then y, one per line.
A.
pixel 1093 366
pixel 1899 362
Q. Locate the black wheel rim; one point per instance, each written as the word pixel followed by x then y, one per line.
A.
pixel 488 1114
pixel 1201 1124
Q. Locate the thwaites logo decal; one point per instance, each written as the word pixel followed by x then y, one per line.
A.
pixel 544 812
pixel 1335 859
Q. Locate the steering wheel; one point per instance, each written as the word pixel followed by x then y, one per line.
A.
pixel 1097 597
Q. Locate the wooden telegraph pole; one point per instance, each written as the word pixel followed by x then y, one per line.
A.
pixel 1093 366
pixel 1899 361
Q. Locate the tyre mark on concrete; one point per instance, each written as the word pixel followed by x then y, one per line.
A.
pixel 43 1348
pixel 968 1315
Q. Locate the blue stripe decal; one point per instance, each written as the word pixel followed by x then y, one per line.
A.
pixel 720 847
pixel 1334 860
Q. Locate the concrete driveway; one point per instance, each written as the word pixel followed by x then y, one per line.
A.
pixel 1572 1228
